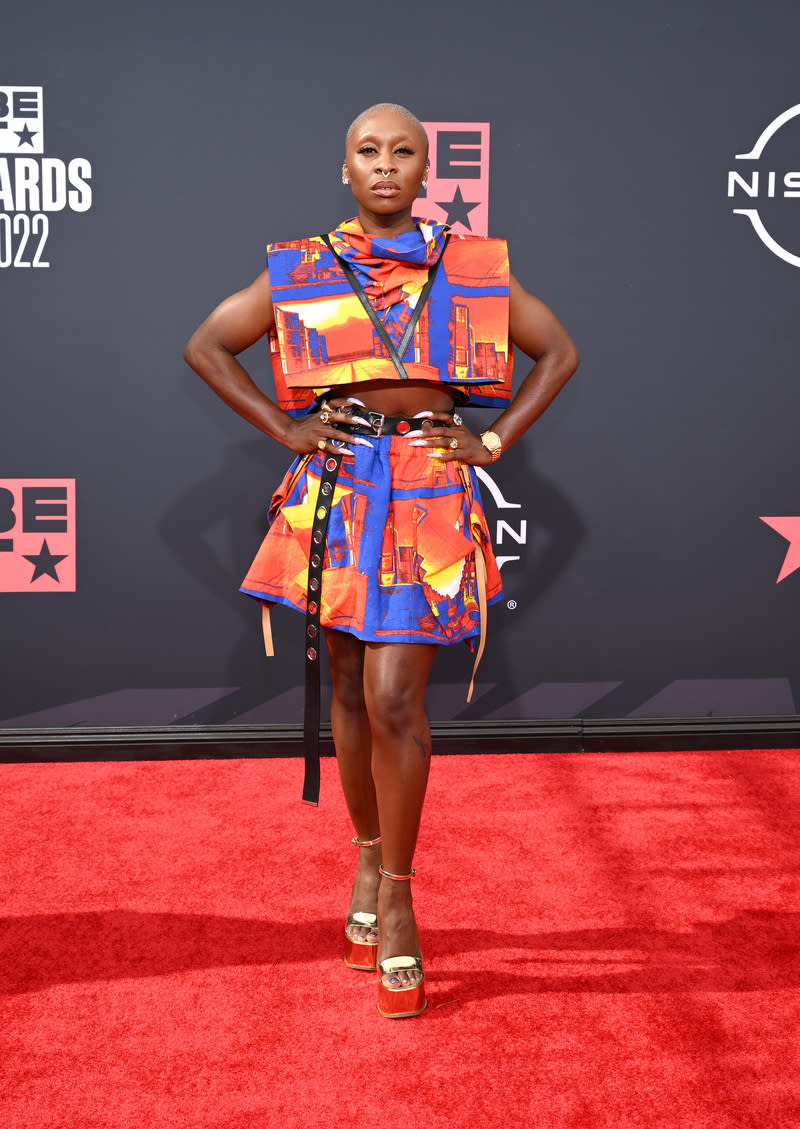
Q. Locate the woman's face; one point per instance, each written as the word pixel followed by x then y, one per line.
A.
pixel 386 157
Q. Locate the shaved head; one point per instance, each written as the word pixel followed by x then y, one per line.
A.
pixel 392 108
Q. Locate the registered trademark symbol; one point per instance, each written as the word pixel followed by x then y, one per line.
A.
pixel 511 605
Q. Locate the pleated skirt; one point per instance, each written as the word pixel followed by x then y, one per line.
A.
pixel 399 564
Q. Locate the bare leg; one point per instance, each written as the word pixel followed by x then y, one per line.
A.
pixel 353 743
pixel 395 676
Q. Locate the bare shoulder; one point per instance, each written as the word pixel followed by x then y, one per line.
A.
pixel 532 324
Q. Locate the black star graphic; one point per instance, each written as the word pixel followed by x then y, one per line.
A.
pixel 25 136
pixel 44 563
pixel 458 209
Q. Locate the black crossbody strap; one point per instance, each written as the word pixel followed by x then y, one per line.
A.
pixel 395 354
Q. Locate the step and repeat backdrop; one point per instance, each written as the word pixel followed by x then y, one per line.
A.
pixel 643 160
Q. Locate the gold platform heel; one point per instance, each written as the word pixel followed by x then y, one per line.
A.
pixel 359 953
pixel 400 1001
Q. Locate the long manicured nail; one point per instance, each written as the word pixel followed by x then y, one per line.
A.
pixel 422 415
pixel 353 400
pixel 361 442
pixel 418 442
pixel 412 434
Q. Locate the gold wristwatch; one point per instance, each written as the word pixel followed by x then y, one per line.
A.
pixel 493 444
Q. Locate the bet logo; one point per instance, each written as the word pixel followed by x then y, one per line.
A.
pixel 21 120
pixel 768 183
pixel 458 182
pixel 32 186
pixel 37 534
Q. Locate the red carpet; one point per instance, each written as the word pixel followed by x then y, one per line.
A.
pixel 611 941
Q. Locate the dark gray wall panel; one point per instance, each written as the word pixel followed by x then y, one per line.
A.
pixel 647 582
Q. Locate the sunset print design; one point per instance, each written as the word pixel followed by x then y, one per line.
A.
pixel 324 339
pixel 399 563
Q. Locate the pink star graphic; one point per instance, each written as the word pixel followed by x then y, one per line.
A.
pixel 788 527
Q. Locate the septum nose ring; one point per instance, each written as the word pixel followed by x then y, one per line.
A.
pixel 385 174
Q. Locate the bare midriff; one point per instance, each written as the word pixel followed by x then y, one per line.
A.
pixel 395 398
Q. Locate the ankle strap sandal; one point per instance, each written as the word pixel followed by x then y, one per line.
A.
pixel 397 1000
pixel 359 952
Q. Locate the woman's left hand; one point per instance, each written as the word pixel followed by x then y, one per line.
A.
pixel 445 436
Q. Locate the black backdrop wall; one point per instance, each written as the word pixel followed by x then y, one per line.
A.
pixel 147 154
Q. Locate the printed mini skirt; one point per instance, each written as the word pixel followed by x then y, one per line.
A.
pixel 399 563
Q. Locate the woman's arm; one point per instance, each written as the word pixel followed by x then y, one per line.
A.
pixel 537 331
pixel 235 324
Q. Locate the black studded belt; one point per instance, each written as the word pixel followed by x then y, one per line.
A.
pixel 378 424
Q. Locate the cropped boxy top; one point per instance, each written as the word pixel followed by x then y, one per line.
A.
pixel 323 338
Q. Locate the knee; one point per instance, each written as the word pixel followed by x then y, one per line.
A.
pixel 348 686
pixel 395 707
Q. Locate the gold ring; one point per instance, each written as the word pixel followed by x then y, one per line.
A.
pixel 324 416
pixel 453 443
pixel 321 444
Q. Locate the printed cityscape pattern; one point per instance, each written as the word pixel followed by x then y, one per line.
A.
pixel 400 558
pixel 323 337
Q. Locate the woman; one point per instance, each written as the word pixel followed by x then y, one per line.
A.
pixel 400 567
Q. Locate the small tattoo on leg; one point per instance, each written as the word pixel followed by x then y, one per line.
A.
pixel 424 745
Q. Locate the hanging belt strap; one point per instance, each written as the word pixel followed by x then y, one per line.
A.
pixel 313 641
pixel 481 578
pixel 266 622
pixel 395 353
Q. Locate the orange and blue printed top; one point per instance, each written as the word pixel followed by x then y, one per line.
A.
pixel 324 339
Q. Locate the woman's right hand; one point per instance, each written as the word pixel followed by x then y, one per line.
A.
pixel 318 430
